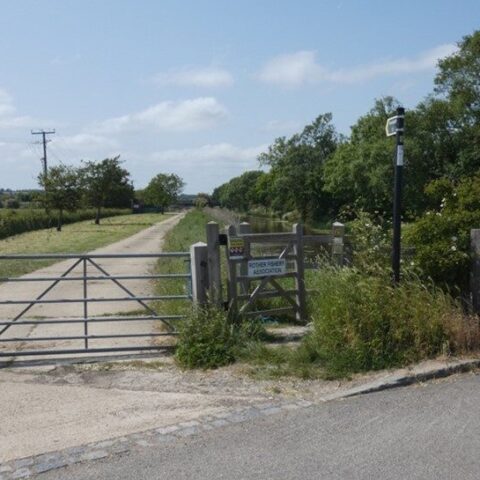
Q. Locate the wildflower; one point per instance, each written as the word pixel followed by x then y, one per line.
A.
pixel 453 248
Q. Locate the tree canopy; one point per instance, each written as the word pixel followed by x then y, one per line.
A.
pixel 163 190
pixel 106 184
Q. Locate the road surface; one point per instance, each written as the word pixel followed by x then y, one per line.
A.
pixel 423 432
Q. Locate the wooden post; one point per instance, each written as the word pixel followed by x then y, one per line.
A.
pixel 245 284
pixel 214 272
pixel 475 273
pixel 232 275
pixel 301 314
pixel 198 258
pixel 338 232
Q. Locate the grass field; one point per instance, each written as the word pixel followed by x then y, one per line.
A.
pixel 74 238
pixel 17 221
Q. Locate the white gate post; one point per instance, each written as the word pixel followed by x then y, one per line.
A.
pixel 338 232
pixel 199 262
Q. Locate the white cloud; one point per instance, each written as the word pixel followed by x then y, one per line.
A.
pixel 6 104
pixel 210 155
pixel 188 115
pixel 300 68
pixel 207 77
pixel 85 142
pixel 202 168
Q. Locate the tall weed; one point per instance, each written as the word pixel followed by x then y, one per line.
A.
pixel 361 322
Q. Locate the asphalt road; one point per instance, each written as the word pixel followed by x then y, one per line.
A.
pixel 429 431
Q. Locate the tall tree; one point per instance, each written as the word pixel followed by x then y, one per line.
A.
pixel 163 190
pixel 106 184
pixel 297 166
pixel 62 190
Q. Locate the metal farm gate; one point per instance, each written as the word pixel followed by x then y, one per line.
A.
pixel 37 325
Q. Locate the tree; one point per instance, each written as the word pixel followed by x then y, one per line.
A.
pixel 163 190
pixel 360 172
pixel 106 184
pixel 62 190
pixel 297 167
pixel 202 200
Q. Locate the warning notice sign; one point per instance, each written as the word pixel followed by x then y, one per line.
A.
pixel 236 247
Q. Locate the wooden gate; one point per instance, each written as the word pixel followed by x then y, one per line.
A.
pixel 253 276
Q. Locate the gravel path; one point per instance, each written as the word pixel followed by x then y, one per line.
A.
pixel 147 241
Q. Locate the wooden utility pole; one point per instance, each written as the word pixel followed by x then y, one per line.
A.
pixel 44 134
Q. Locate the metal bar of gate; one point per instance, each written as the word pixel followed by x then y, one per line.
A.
pixel 66 256
pixel 64 321
pixel 93 300
pixel 81 337
pixel 96 277
pixel 73 351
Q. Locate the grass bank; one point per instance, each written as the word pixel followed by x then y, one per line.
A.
pixel 189 230
pixel 74 238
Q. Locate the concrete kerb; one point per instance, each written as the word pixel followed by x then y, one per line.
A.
pixel 417 375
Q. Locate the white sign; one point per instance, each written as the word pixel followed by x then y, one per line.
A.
pixel 400 155
pixel 267 268
pixel 391 126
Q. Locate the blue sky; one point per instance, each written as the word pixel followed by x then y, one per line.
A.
pixel 200 88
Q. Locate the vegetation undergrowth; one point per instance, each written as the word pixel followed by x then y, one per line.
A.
pixel 208 338
pixel 361 322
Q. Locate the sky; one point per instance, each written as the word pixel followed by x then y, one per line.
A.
pixel 199 88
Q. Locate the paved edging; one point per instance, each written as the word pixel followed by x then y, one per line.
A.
pixel 396 380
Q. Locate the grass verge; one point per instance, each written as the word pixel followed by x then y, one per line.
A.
pixel 74 238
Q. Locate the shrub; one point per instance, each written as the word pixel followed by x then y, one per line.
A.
pixel 208 339
pixel 12 203
pixel 441 237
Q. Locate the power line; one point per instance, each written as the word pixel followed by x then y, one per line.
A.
pixel 44 134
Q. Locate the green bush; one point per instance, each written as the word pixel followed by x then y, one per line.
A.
pixel 209 339
pixel 361 322
pixel 206 339
pixel 441 237
pixel 14 222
